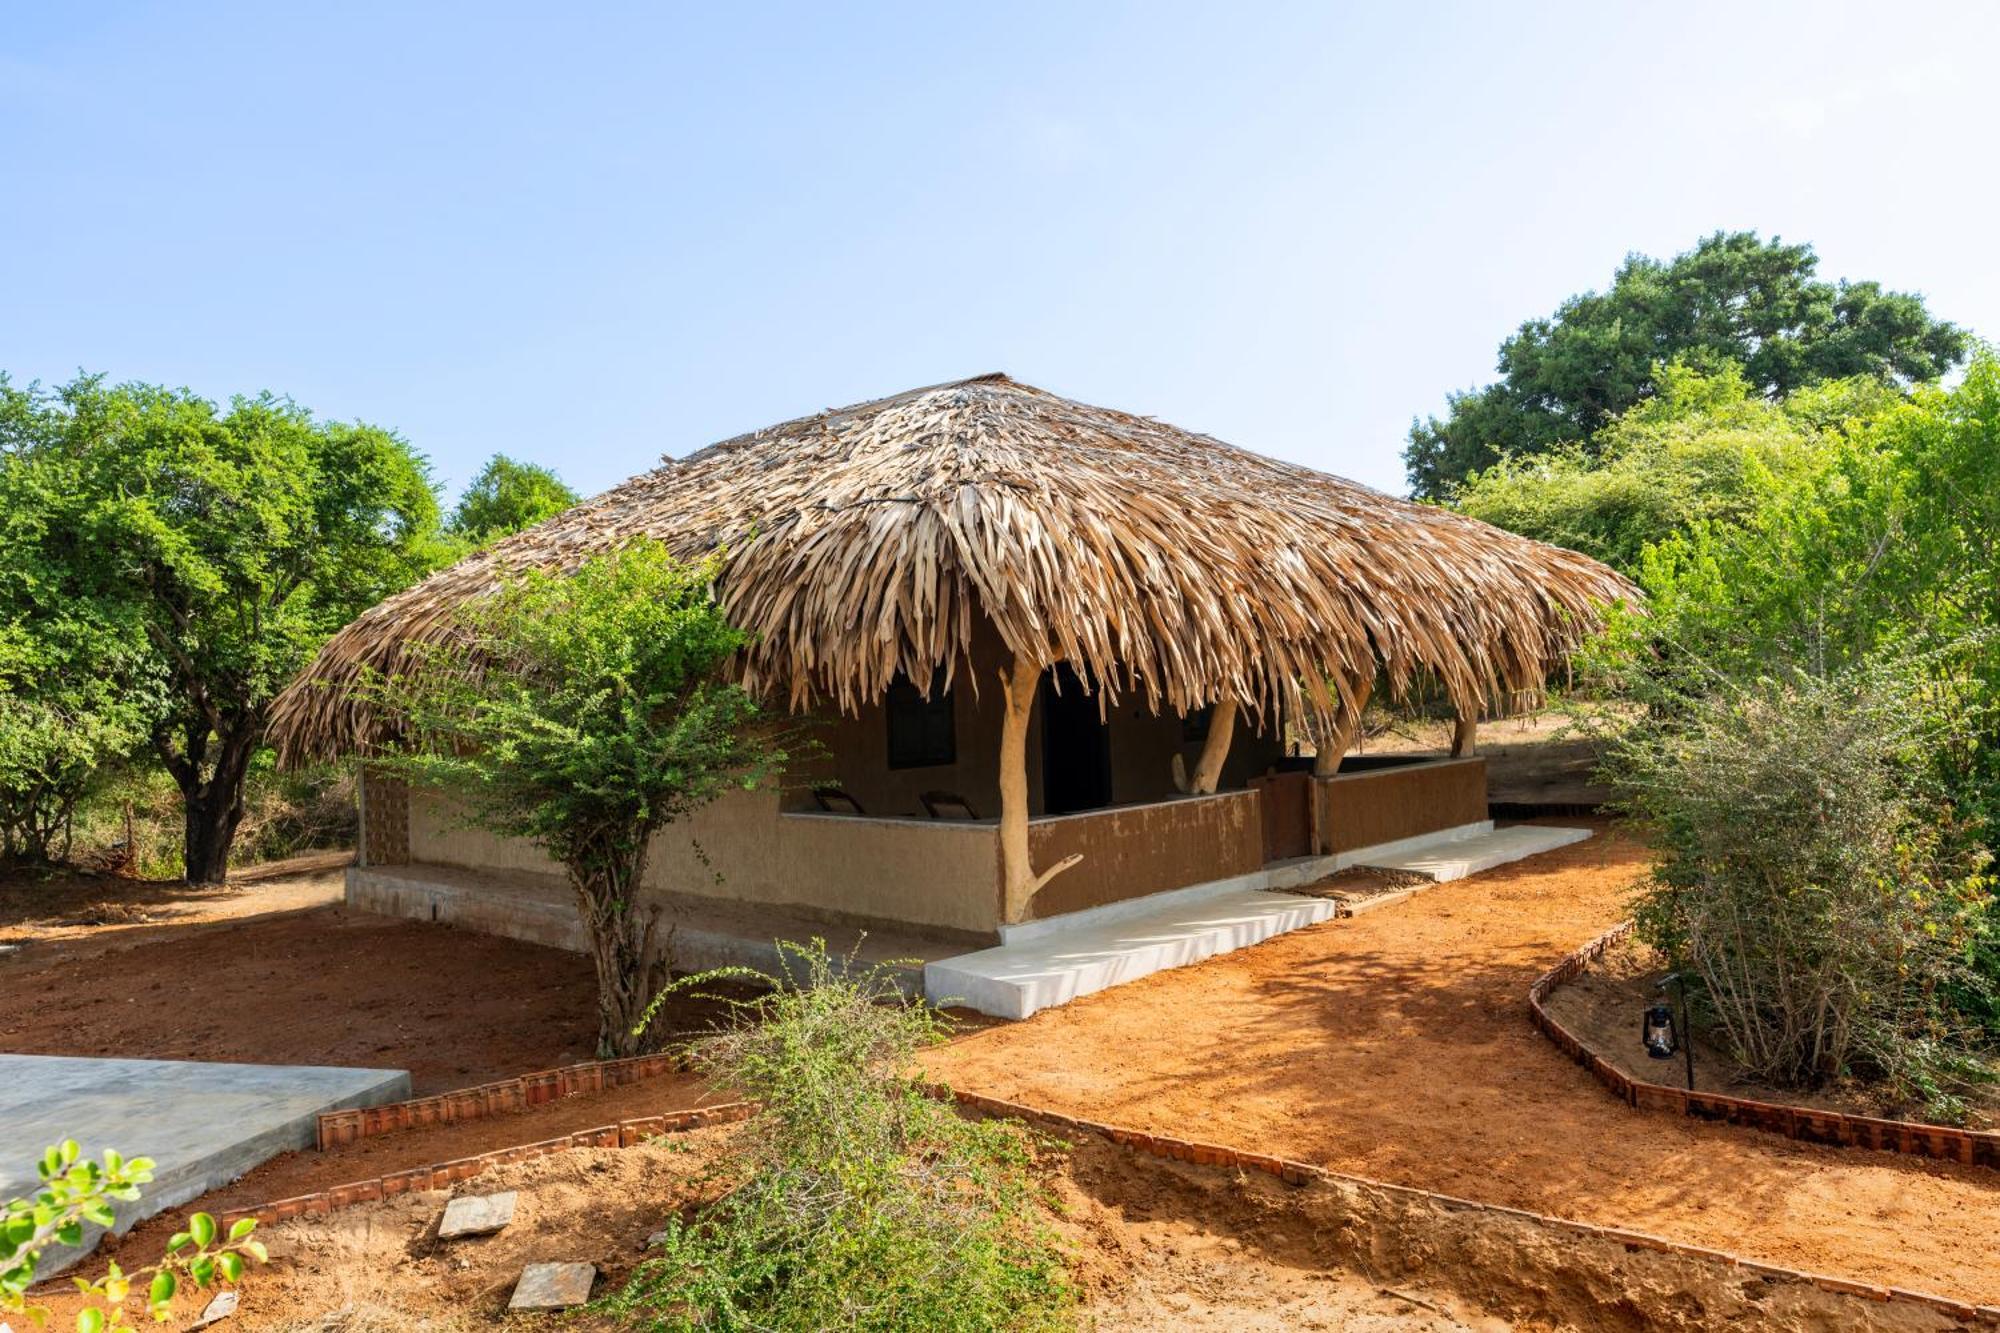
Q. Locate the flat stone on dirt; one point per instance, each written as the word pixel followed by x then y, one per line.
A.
pixel 553 1286
pixel 219 1309
pixel 477 1215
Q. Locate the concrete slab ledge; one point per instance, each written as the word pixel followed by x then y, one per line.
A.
pixel 1039 964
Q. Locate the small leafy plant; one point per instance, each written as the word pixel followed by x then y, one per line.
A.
pixel 77 1192
pixel 862 1200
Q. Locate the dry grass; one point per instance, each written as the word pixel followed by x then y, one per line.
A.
pixel 870 540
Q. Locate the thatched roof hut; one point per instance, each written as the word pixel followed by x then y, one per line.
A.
pixel 868 541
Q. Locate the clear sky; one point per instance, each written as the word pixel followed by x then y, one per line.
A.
pixel 590 234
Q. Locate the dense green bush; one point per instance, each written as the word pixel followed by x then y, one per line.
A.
pixel 862 1202
pixel 1812 875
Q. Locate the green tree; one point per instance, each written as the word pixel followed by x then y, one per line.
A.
pixel 506 497
pixel 226 546
pixel 1691 454
pixel 584 713
pixel 1734 299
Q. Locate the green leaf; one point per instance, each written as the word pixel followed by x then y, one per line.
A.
pixel 90 1320
pixel 202 1227
pixel 230 1266
pixel 162 1289
pixel 242 1227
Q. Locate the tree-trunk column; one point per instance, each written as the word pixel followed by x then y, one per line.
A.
pixel 1214 748
pixel 1465 736
pixel 1018 881
pixel 1346 728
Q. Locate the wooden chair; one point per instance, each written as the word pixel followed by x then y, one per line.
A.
pixel 946 805
pixel 835 801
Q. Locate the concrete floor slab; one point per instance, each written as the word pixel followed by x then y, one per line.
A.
pixel 1456 858
pixel 203 1124
pixel 1016 980
pixel 1051 962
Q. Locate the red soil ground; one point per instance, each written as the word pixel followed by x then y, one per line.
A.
pixel 247 975
pixel 1395 1045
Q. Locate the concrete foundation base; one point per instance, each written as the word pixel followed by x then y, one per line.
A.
pixel 707 933
pixel 202 1124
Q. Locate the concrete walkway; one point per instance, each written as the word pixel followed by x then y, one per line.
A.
pixel 1047 963
pixel 202 1124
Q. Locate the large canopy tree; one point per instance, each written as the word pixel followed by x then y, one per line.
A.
pixel 1734 299
pixel 227 545
pixel 507 496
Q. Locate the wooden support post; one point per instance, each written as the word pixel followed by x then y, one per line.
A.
pixel 1465 736
pixel 1214 748
pixel 1346 728
pixel 1018 881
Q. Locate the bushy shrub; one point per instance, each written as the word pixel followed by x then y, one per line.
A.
pixel 1810 874
pixel 862 1201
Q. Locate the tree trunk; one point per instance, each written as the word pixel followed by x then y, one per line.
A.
pixel 1346 730
pixel 213 809
pixel 1465 736
pixel 1018 881
pixel 625 949
pixel 1214 748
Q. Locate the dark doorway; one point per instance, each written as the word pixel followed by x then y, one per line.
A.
pixel 1076 746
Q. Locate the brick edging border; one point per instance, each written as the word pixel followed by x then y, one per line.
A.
pixel 441 1175
pixel 1808 1125
pixel 626 1133
pixel 338 1128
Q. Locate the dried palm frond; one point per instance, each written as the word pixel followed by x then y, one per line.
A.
pixel 870 540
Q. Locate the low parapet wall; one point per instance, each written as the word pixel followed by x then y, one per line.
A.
pixel 1808 1125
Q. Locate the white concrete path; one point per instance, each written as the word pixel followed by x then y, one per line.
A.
pixel 1052 962
pixel 202 1124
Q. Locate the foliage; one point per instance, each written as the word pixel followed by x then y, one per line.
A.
pixel 222 546
pixel 1734 299
pixel 584 713
pixel 1810 872
pixel 1693 454
pixel 1883 532
pixel 864 1202
pixel 506 497
pixel 77 1192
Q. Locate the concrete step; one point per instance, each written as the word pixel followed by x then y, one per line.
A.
pixel 1456 857
pixel 1016 980
pixel 1052 962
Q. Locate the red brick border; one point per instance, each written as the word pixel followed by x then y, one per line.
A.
pixel 442 1175
pixel 338 1128
pixel 1808 1125
pixel 626 1133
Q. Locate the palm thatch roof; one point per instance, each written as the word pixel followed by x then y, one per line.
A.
pixel 870 540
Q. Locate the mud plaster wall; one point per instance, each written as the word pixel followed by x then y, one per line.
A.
pixel 929 873
pixel 1137 850
pixel 1382 805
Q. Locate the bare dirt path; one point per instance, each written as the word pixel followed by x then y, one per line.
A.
pixel 1395 1046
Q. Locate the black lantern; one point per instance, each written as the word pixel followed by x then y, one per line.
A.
pixel 1657 1031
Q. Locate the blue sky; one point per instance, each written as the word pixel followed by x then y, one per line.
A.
pixel 591 234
